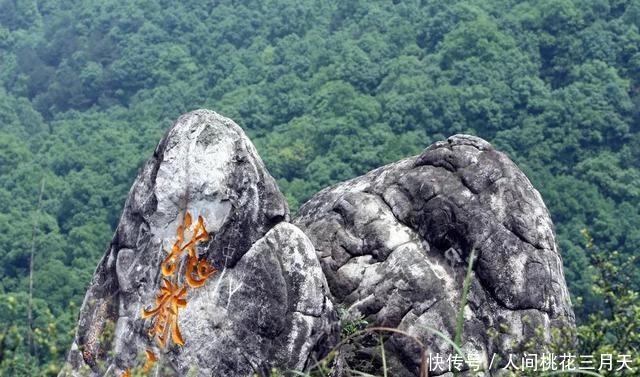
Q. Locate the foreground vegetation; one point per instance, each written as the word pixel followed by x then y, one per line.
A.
pixel 327 90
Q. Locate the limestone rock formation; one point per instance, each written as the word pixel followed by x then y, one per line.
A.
pixel 394 245
pixel 265 306
pixel 206 276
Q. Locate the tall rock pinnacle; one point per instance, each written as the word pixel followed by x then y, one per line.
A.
pixel 203 273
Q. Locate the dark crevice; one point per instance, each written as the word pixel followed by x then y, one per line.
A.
pixel 501 303
pixel 521 237
pixel 466 184
pixel 382 199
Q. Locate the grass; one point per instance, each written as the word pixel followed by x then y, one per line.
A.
pixel 384 357
pixel 463 300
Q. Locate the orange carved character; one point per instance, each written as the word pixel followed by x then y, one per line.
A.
pixel 203 271
pixel 202 267
pixel 199 234
pixel 168 302
pixel 170 263
pixel 172 296
pixel 151 359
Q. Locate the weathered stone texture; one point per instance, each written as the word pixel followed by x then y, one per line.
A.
pixel 265 307
pixel 394 245
pixel 391 246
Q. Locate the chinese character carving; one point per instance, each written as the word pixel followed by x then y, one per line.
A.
pixel 172 296
pixel 168 303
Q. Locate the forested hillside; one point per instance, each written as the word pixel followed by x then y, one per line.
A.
pixel 327 90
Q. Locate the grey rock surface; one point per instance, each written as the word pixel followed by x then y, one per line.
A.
pixel 266 306
pixel 390 247
pixel 395 243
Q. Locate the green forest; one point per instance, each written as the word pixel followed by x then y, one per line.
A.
pixel 327 90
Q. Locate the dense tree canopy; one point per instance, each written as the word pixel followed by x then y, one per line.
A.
pixel 327 90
